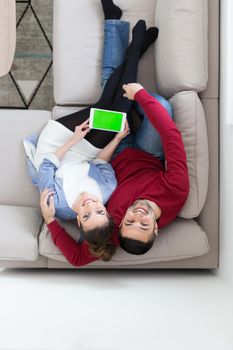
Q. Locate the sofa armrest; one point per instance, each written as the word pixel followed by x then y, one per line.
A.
pixel 20 227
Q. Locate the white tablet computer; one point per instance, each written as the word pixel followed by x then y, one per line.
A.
pixel 103 119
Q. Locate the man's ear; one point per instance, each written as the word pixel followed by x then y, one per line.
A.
pixel 156 229
pixel 122 220
pixel 78 220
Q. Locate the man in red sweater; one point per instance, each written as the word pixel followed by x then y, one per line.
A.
pixel 149 194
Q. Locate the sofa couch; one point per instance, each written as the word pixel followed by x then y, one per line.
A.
pixel 183 67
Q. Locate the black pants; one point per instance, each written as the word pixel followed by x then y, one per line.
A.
pixel 112 96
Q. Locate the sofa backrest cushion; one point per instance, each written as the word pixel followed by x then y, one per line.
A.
pixel 181 59
pixel 78 47
pixel 190 119
pixel 179 62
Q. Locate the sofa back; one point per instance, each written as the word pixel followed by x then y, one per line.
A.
pixel 179 63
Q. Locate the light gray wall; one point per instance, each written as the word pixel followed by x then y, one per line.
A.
pixel 226 141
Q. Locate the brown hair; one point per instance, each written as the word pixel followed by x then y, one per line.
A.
pixel 99 240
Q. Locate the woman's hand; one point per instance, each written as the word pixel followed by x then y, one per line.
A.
pixel 81 131
pixel 107 152
pixel 47 206
pixel 131 89
pixel 121 135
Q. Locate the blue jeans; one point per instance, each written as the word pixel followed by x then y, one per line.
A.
pixel 116 36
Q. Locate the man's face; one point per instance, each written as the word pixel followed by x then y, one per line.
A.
pixel 91 211
pixel 139 221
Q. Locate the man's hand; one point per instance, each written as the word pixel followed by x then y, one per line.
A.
pixel 81 131
pixel 121 135
pixel 131 89
pixel 47 206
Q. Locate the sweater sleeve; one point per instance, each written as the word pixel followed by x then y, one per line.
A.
pixel 77 254
pixel 176 173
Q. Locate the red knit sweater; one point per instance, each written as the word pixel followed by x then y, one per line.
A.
pixel 140 176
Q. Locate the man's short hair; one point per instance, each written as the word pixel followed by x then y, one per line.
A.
pixel 134 246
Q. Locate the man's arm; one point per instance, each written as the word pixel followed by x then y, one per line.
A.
pixel 155 112
pixel 77 254
pixel 176 173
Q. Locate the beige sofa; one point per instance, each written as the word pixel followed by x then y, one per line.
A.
pixel 183 67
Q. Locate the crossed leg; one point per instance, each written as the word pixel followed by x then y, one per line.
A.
pixel 112 96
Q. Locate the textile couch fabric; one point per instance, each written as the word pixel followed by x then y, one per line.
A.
pixel 175 67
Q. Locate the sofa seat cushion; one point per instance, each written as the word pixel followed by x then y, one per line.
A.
pixel 16 186
pixel 180 240
pixel 19 231
pixel 61 111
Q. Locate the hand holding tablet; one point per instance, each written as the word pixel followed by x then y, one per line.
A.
pixel 103 119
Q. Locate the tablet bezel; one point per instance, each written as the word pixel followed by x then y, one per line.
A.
pixel 92 112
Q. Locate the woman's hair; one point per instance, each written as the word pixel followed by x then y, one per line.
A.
pixel 99 240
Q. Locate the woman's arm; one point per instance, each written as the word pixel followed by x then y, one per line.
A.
pixel 46 177
pixel 47 206
pixel 79 133
pixel 107 152
pixel 50 164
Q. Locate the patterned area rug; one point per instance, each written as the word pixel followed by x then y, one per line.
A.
pixel 29 84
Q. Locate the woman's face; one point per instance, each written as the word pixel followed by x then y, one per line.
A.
pixel 91 211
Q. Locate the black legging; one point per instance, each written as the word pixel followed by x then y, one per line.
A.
pixel 112 96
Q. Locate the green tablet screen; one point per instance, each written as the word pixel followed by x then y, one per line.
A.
pixel 108 120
